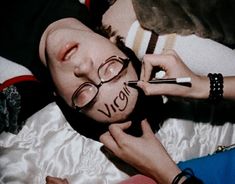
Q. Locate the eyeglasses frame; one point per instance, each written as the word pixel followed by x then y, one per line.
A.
pixel 125 63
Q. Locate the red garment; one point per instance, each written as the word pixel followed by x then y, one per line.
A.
pixel 138 179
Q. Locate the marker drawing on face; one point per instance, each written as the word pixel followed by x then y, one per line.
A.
pixel 126 90
pixel 114 110
pixel 119 103
pixel 106 112
pixel 123 97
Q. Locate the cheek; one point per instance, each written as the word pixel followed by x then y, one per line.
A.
pixel 65 87
pixel 116 106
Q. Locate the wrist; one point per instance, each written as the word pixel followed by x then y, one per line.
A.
pixel 216 87
pixel 166 171
pixel 201 87
pixel 186 177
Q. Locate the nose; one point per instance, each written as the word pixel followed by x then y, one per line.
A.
pixel 84 68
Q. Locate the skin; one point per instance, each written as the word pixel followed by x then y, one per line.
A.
pixel 73 54
pixel 173 66
pixel 169 60
pixel 155 161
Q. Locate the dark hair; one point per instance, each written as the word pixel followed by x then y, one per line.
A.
pixel 149 107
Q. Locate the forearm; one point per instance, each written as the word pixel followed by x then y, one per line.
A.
pixel 165 171
pixel 202 88
pixel 229 89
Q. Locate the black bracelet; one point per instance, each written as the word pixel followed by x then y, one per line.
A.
pixel 188 173
pixel 216 87
pixel 192 180
pixel 111 2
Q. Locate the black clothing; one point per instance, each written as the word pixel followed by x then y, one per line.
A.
pixel 22 25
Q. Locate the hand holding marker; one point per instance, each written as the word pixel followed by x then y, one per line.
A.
pixel 186 81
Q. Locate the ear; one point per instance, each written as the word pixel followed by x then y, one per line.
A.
pixel 54 93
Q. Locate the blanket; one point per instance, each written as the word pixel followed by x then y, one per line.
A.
pixel 47 145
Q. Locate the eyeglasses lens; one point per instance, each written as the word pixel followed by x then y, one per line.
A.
pixel 110 70
pixel 85 94
pixel 88 91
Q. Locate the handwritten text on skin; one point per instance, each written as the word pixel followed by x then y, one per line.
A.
pixel 119 103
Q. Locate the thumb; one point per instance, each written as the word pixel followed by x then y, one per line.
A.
pixel 121 126
pixel 117 130
pixel 147 130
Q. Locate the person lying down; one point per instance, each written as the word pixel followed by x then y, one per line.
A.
pixel 108 91
pixel 64 181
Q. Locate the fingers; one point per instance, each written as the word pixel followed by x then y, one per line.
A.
pixel 166 62
pixel 146 69
pixel 149 63
pixel 173 67
pixel 147 131
pixel 108 141
pixel 116 130
pixel 113 138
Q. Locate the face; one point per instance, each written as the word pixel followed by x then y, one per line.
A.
pixel 73 53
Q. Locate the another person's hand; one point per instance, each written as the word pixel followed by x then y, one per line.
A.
pixel 55 180
pixel 174 67
pixel 145 153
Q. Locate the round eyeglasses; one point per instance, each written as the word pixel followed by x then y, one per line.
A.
pixel 107 71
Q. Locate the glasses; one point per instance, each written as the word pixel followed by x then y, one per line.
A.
pixel 86 93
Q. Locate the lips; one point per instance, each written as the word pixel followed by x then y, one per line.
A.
pixel 67 51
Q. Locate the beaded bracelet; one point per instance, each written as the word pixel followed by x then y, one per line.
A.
pixel 216 87
pixel 188 173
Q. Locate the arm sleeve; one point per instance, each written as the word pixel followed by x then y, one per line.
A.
pixel 211 19
pixel 221 165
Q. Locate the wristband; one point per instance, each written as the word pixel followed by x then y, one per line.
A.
pixel 216 87
pixel 188 173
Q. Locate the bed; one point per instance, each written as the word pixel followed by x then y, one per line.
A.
pixel 47 145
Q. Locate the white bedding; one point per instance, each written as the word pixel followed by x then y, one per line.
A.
pixel 47 145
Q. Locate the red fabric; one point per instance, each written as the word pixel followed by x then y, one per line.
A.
pixel 17 79
pixel 138 179
pixel 87 3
